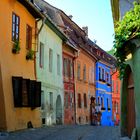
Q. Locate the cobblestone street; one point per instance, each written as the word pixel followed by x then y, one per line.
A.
pixel 74 132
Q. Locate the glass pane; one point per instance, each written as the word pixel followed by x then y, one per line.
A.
pixel 13 27
pixel 17 30
pixel 13 18
pixel 17 20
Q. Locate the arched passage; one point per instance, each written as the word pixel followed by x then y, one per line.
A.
pixel 128 102
pixel 58 110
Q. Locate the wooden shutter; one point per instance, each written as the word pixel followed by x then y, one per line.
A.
pixel 25 94
pixel 32 87
pixel 38 94
pixel 16 83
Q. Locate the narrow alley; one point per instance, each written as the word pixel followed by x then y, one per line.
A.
pixel 73 132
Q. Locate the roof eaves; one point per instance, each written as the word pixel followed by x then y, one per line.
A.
pixel 31 8
pixel 50 23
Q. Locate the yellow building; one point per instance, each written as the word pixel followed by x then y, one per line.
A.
pixel 19 92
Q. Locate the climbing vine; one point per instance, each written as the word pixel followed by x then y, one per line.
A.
pixel 126 30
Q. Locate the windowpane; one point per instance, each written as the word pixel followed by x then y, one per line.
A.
pixel 66 99
pixel 79 100
pixel 85 100
pixel 15 27
pixel 99 73
pixel 51 100
pixel 84 72
pixel 28 37
pixel 102 74
pixel 71 69
pixel 58 64
pixel 50 60
pixel 78 71
pixel 41 55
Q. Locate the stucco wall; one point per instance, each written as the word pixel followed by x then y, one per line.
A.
pixel 84 86
pixel 135 67
pixel 15 65
pixel 51 81
pixel 104 91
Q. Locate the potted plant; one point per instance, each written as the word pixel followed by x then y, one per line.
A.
pixel 127 31
pixel 16 47
pixel 30 54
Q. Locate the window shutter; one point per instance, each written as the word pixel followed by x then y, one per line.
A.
pixel 17 83
pixel 38 94
pixel 32 88
pixel 25 94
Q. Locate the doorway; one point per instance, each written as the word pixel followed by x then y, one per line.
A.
pixel 58 110
pixel 130 100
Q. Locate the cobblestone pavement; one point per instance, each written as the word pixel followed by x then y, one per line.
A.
pixel 73 132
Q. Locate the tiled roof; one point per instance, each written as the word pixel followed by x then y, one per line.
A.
pixel 74 32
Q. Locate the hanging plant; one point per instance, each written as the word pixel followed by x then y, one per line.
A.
pixel 16 47
pixel 30 54
pixel 126 30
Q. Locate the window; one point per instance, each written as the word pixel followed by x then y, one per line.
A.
pixel 92 79
pixel 15 27
pixel 117 87
pixel 107 77
pixel 58 64
pixel 42 100
pixel 65 66
pixel 84 73
pixel 103 74
pixel 68 67
pixel 85 100
pixel 28 37
pixel 108 105
pixel 79 100
pixel 51 100
pixel 117 107
pixel 112 85
pixel 27 93
pixel 71 69
pixel 98 100
pixel 99 73
pixel 66 100
pixel 50 60
pixel 71 100
pixel 102 102
pixel 41 55
pixel 78 72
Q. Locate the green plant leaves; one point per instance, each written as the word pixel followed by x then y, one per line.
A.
pixel 125 30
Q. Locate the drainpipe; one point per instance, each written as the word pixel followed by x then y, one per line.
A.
pixel 74 60
pixel 36 39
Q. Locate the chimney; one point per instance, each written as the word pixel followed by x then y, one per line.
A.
pixel 70 16
pixel 85 29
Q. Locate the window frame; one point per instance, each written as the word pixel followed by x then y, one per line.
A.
pixel 28 37
pixel 15 26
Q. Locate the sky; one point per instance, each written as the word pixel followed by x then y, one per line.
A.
pixel 96 14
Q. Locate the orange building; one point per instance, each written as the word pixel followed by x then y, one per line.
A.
pixel 19 90
pixel 116 98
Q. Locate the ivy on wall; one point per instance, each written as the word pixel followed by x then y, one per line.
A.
pixel 126 30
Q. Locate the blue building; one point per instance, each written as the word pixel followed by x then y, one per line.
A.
pixel 103 92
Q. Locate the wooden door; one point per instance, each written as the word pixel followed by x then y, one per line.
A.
pixel 131 122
